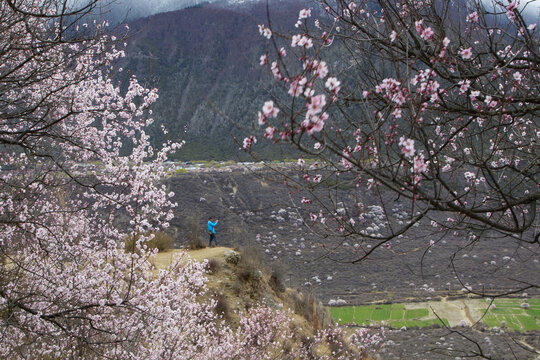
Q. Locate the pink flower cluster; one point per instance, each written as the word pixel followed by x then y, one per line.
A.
pixel 301 41
pixel 427 33
pixel 407 147
pixel 248 141
pixel 264 31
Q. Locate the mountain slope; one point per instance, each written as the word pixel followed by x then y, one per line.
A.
pixel 205 62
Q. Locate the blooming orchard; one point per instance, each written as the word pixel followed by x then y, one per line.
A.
pixel 431 101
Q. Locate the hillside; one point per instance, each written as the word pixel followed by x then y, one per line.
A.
pixel 239 286
pixel 238 280
pixel 205 62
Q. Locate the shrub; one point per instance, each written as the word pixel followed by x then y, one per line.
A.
pixel 314 312
pixel 277 277
pixel 222 306
pixel 193 233
pixel 161 241
pixel 213 265
pixel 335 342
pixel 303 306
pixel 251 261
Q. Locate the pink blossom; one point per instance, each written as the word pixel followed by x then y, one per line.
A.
pixel 427 34
pixel 474 94
pixel 275 70
pixel 446 42
pixel 248 141
pixel 465 84
pixel 297 87
pixel 304 13
pixel 418 26
pixel 305 201
pixel 261 119
pixel 333 84
pixel 407 146
pixel 472 17
pixel 269 132
pixel 466 54
pixel 305 42
pixel 265 32
pixel 295 40
pixel 316 104
pixel 321 69
pixel 419 166
pixel 346 163
pixel 269 110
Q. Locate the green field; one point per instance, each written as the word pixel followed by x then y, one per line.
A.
pixel 516 318
pixel 394 315
pixel 508 311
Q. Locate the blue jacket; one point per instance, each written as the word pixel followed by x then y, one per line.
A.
pixel 211 226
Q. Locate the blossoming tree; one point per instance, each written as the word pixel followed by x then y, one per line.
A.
pixel 430 103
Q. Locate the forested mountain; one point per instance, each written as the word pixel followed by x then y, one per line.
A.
pixel 205 62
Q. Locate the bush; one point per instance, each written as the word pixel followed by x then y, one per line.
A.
pixel 193 233
pixel 251 261
pixel 314 312
pixel 277 277
pixel 161 241
pixel 213 265
pixel 303 306
pixel 222 306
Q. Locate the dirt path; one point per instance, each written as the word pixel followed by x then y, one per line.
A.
pixel 467 313
pixel 470 310
pixel 163 259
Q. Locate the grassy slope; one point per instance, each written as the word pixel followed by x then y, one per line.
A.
pixel 239 293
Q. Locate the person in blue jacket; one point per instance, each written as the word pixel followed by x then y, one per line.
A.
pixel 212 231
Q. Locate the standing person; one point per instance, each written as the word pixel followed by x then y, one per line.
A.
pixel 212 231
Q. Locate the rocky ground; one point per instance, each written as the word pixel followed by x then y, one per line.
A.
pixel 255 209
